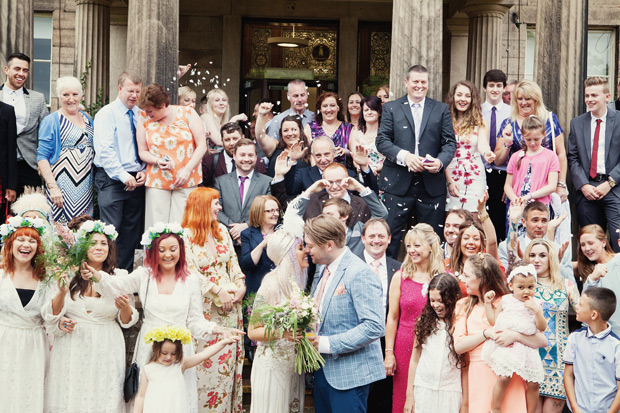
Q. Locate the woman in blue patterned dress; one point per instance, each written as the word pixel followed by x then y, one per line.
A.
pixel 329 121
pixel 65 154
pixel 556 294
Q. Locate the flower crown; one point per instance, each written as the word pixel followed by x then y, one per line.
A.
pixel 171 333
pixel 14 223
pixel 525 270
pixel 97 226
pixel 158 230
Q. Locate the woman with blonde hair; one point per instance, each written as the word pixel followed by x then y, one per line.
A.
pixel 217 114
pixel 187 97
pixel 210 252
pixel 383 93
pixel 527 101
pixel 407 298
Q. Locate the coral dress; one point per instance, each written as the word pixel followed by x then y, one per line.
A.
pixel 481 378
pixel 518 358
pixel 411 304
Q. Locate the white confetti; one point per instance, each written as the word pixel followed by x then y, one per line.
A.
pixel 277 103
pixel 211 62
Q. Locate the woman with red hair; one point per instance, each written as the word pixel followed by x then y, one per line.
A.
pixel 329 121
pixel 210 251
pixel 26 303
pixel 168 291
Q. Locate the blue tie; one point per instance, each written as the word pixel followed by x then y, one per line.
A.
pixel 493 129
pixel 133 133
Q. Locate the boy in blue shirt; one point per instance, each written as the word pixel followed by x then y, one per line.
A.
pixel 592 356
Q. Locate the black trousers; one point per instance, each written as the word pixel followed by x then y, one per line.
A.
pixel 124 210
pixel 604 212
pixel 496 207
pixel 26 176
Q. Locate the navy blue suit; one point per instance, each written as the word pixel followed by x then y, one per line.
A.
pixel 299 179
pixel 254 273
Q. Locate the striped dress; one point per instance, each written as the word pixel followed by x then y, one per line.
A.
pixel 74 170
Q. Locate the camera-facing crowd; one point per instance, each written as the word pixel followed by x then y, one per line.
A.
pixel 471 195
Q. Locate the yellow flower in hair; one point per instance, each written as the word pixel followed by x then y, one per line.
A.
pixel 171 333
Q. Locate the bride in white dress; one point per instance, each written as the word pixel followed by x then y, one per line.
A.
pixel 276 387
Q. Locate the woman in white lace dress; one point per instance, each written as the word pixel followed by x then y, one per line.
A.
pixel 168 291
pixel 276 387
pixel 465 175
pixel 24 294
pixel 90 333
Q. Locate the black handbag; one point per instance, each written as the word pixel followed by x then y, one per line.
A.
pixel 132 375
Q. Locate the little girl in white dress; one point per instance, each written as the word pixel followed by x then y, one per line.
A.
pixel 162 385
pixel 522 313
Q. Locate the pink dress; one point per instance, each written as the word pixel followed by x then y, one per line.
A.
pixel 411 304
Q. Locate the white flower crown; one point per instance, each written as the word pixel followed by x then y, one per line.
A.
pixel 14 223
pixel 158 229
pixel 101 227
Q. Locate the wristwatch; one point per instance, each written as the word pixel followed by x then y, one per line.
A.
pixel 611 181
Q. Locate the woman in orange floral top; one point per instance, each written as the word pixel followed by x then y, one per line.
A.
pixel 171 140
pixel 211 253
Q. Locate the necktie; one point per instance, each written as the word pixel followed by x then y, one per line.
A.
pixel 133 134
pixel 594 160
pixel 319 295
pixel 493 129
pixel 417 120
pixel 234 166
pixel 242 188
pixel 375 265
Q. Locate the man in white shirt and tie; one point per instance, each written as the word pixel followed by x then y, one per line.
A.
pixel 119 172
pixel 494 112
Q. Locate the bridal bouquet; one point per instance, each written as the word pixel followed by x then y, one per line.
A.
pixel 297 313
pixel 65 252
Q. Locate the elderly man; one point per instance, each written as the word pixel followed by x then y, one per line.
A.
pixel 297 95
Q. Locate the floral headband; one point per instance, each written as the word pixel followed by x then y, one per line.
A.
pixel 158 230
pixel 89 227
pixel 160 334
pixel 14 223
pixel 525 270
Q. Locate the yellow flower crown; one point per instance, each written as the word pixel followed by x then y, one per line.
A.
pixel 160 334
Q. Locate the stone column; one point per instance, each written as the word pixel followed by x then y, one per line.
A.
pixel 458 26
pixel 153 42
pixel 347 57
pixel 417 38
pixel 16 29
pixel 92 47
pixel 484 45
pixel 231 60
pixel 559 68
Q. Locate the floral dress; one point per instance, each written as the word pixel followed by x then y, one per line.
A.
pixel 555 304
pixel 219 378
pixel 467 171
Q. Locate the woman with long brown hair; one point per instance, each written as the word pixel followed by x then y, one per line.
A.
pixel 465 174
pixel 329 121
pixel 211 253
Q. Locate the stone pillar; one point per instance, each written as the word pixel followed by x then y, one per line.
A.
pixel 153 42
pixel 458 25
pixel 417 38
pixel 484 45
pixel 231 61
pixel 16 29
pixel 559 68
pixel 92 47
pixel 347 57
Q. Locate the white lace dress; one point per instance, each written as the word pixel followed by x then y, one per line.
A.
pixel 517 358
pixel 181 308
pixel 276 388
pixel 166 390
pixel 92 357
pixel 437 384
pixel 24 348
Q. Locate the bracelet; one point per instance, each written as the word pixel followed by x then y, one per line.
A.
pixel 50 186
pixel 483 217
pixel 561 184
pixel 389 349
pixel 531 196
pixel 484 335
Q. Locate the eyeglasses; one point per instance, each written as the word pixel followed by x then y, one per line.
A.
pixel 339 182
pixel 272 211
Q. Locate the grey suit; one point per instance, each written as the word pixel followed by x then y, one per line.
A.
pixel 606 211
pixel 28 139
pixel 228 186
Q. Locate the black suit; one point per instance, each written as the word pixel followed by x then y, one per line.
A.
pixel 361 212
pixel 8 154
pixel 406 192
pixel 380 395
pixel 605 211
pixel 299 179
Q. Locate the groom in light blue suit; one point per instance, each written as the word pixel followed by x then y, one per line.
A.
pixel 349 296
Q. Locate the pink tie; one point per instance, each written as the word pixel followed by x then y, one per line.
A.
pixel 319 294
pixel 375 265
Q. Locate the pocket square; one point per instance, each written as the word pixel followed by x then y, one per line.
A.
pixel 340 290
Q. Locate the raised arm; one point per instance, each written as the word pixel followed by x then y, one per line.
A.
pixel 266 142
pixel 491 311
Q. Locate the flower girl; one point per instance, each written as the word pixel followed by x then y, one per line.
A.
pixel 162 386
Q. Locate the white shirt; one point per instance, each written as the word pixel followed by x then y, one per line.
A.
pixel 246 185
pixel 324 346
pixel 600 157
pixel 382 274
pixel 229 162
pixel 15 98
pixel 501 114
pixel 400 157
